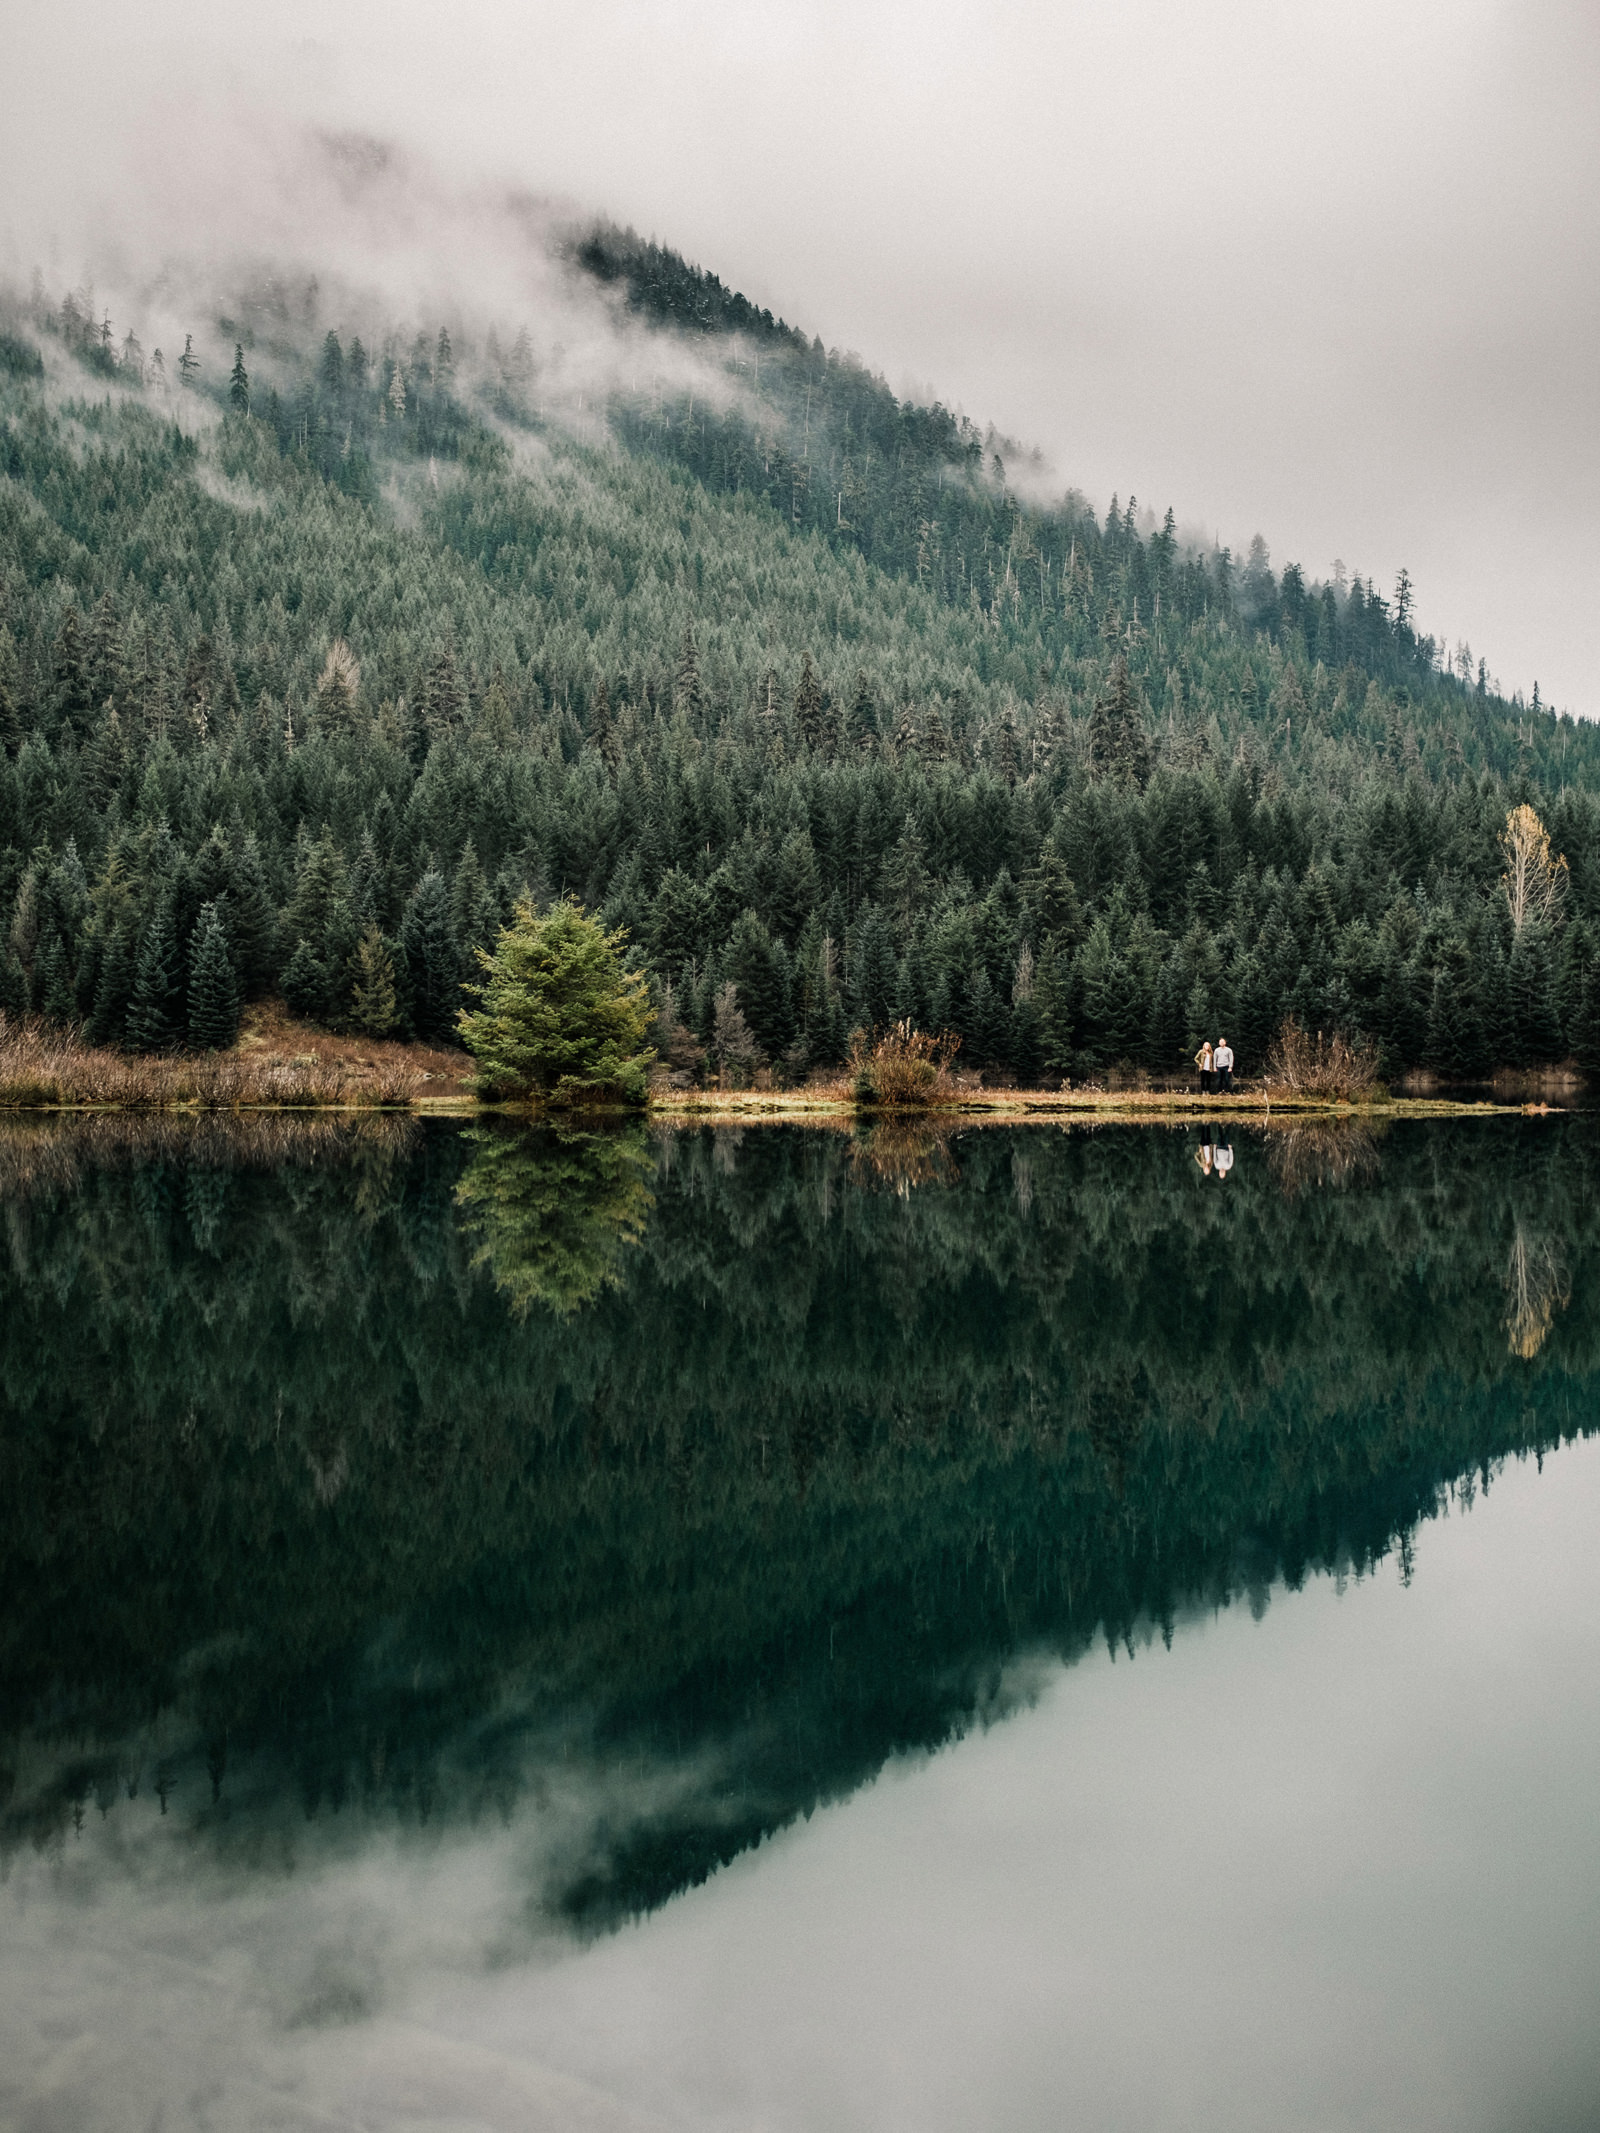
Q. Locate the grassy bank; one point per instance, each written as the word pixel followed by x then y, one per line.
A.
pixel 281 1064
pixel 278 1063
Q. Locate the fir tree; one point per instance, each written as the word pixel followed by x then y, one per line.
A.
pixel 559 1018
pixel 213 985
pixel 432 961
pixel 155 1012
pixel 374 1000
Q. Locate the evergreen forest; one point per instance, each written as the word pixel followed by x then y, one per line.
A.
pixel 319 652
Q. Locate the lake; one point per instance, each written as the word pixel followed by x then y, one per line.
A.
pixel 799 1628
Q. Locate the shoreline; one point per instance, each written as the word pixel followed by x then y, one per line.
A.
pixel 774 1105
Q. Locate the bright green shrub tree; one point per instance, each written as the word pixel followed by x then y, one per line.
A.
pixel 560 1020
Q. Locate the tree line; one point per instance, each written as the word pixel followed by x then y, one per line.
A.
pixel 284 709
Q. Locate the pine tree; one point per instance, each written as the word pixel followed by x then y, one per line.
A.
pixel 861 720
pixel 213 985
pixel 374 1002
pixel 559 1018
pixel 732 1039
pixel 10 719
pixel 874 972
pixel 331 368
pixel 432 961
pixel 1118 744
pixel 305 984
pixel 602 728
pixel 808 704
pixel 73 683
pixel 1534 1020
pixel 473 914
pixel 757 966
pixel 252 921
pixel 155 1012
pixel 686 695
pixel 113 989
pixel 239 382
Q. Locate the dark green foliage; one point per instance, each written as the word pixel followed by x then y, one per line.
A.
pixel 213 984
pixel 558 1017
pixel 156 1013
pixel 824 666
pixel 432 962
pixel 759 970
pixel 374 994
pixel 307 983
pixel 20 358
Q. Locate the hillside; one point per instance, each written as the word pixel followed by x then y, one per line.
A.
pixel 310 666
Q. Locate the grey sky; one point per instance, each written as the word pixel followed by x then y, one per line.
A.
pixel 1329 273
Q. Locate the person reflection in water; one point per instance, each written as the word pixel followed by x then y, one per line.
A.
pixel 1214 1157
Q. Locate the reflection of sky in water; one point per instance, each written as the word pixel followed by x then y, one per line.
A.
pixel 1337 1868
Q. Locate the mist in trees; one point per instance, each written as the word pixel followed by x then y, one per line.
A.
pixel 792 685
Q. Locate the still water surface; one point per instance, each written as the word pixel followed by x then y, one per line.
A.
pixel 798 1631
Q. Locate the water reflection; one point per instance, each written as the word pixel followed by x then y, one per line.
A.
pixel 359 1478
pixel 551 1211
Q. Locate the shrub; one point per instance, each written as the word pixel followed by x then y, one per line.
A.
pixel 1337 1066
pixel 903 1068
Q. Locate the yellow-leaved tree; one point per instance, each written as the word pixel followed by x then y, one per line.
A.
pixel 1535 884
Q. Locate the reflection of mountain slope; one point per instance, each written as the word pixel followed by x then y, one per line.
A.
pixel 278 1466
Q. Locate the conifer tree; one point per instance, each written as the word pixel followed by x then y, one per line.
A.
pixel 861 720
pixel 252 920
pixel 559 1018
pixel 374 1000
pixel 305 984
pixel 432 961
pixel 808 704
pixel 473 916
pixel 239 382
pixel 874 972
pixel 155 1012
pixel 213 985
pixel 687 694
pixel 113 989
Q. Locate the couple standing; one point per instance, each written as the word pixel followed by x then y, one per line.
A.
pixel 1215 1062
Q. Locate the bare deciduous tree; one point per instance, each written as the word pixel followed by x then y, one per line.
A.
pixel 1535 884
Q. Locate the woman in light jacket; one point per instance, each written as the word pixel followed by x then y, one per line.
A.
pixel 1202 1060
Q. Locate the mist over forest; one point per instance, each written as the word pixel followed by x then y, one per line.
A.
pixel 352 591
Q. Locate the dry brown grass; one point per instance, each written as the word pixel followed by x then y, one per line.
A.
pixel 1333 1067
pixel 277 1061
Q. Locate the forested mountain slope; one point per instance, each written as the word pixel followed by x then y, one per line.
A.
pixel 320 663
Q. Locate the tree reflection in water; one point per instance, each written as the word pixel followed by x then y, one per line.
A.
pixel 552 1209
pixel 364 1470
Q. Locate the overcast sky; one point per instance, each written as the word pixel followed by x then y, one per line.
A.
pixel 1329 273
